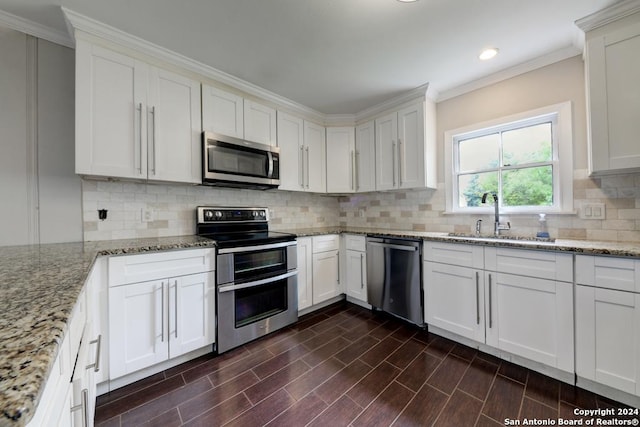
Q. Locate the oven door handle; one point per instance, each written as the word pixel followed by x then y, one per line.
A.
pixel 229 288
pixel 256 248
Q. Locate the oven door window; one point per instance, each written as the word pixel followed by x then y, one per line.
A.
pixel 260 302
pixel 256 264
pixel 235 160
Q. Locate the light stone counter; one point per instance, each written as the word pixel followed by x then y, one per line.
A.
pixel 39 287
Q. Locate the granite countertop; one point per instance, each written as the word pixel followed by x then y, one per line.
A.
pixel 626 249
pixel 39 287
pixel 40 284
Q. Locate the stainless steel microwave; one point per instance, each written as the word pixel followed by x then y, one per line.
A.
pixel 233 162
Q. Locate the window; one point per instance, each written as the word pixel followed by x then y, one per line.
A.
pixel 525 159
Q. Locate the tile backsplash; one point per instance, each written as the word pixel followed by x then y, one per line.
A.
pixel 170 210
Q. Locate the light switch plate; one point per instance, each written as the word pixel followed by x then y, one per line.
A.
pixel 593 211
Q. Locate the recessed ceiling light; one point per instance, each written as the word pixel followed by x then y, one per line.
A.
pixel 407 1
pixel 488 53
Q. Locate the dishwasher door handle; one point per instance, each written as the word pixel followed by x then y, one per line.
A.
pixel 392 246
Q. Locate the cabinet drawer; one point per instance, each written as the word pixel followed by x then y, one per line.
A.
pixel 329 242
pixel 539 264
pixel 608 272
pixel 355 243
pixel 454 253
pixel 144 267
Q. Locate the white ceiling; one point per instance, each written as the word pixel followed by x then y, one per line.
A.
pixel 339 56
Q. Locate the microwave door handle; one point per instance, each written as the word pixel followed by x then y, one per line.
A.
pixel 270 167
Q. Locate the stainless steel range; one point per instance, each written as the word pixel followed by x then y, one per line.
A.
pixel 256 273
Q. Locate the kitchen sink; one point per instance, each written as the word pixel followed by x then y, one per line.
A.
pixel 503 238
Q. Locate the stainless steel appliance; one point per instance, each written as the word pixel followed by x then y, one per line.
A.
pixel 394 278
pixel 256 274
pixel 233 162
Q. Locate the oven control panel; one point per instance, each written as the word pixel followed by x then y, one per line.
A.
pixel 219 214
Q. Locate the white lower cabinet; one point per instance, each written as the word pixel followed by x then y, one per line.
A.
pixel 608 322
pixel 474 292
pixel 318 269
pixel 305 273
pixel 156 320
pixel 356 267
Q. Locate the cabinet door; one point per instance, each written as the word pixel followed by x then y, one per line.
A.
pixel 83 394
pixel 259 123
pixel 314 158
pixel 290 142
pixel 531 317
pixel 365 157
pixel 173 117
pixel 137 336
pixel 411 160
pixel 357 275
pixel 326 276
pixel 341 158
pixel 386 152
pixel 608 337
pixel 222 112
pixel 191 313
pixel 613 67
pixel 305 273
pixel 454 299
pixel 111 97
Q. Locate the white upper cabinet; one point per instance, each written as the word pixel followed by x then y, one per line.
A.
pixel 110 96
pixel 612 70
pixel 365 157
pixel 174 128
pixel 259 123
pixel 302 154
pixel 315 158
pixel 290 142
pixel 405 152
pixel 134 120
pixel 341 160
pixel 222 112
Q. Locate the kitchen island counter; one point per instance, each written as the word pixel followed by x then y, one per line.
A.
pixel 39 287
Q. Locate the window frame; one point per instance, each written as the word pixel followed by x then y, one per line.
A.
pixel 562 158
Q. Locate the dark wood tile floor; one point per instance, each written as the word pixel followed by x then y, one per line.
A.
pixel 345 366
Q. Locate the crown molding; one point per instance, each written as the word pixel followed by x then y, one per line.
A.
pixel 525 67
pixel 35 29
pixel 411 95
pixel 605 16
pixel 78 22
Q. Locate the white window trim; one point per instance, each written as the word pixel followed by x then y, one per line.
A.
pixel 563 146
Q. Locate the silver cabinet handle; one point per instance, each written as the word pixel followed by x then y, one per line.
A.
pixel 361 271
pixel 400 156
pixel 301 167
pixel 338 269
pixel 357 169
pixel 393 161
pixel 162 310
pixel 139 109
pixel 352 167
pixel 490 305
pixel 477 297
pixel 175 306
pixel 307 166
pixel 96 364
pixel 84 407
pixel 153 139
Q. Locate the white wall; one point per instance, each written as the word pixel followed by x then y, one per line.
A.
pixel 39 192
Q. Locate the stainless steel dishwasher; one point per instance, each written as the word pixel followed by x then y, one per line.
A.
pixel 394 279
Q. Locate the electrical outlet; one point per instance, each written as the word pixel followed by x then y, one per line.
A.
pixel 361 213
pixel 146 215
pixel 592 211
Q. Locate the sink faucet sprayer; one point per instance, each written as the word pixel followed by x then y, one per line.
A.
pixel 497 225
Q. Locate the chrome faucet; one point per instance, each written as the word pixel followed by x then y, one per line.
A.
pixel 497 225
